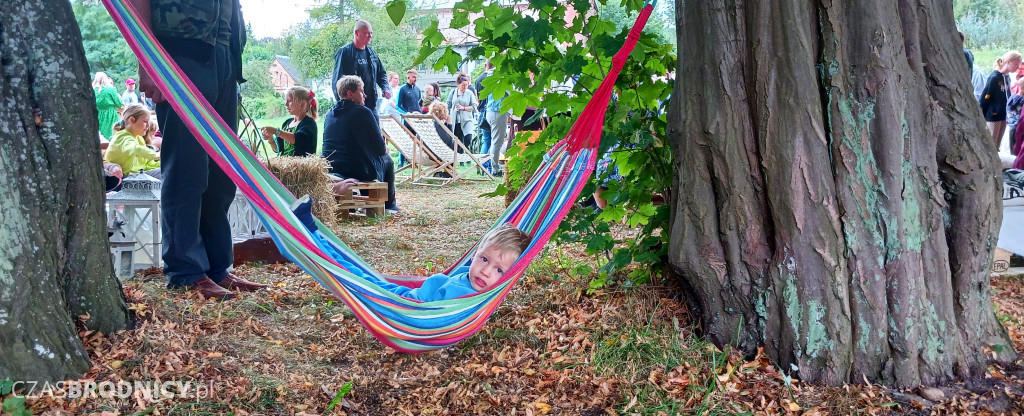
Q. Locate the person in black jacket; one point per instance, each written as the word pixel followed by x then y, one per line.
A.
pixel 353 145
pixel 358 58
pixel 409 96
pixel 996 93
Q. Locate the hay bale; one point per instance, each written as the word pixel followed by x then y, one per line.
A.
pixel 306 176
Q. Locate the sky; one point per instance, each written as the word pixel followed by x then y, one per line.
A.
pixel 269 18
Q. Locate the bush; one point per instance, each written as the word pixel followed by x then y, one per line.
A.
pixel 995 31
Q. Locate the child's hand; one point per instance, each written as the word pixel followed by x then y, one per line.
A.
pixel 269 132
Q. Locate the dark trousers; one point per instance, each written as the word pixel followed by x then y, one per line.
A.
pixel 1013 132
pixel 466 137
pixel 386 173
pixel 196 193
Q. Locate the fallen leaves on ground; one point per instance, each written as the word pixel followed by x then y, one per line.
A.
pixel 549 349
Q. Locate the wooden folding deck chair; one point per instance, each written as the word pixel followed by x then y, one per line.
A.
pixel 421 162
pixel 451 160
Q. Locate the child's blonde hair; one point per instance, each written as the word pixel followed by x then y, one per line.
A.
pixel 304 94
pixel 507 238
pixel 439 110
pixel 131 111
pixel 1007 57
pixel 154 127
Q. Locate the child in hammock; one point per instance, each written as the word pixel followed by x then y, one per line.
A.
pixel 497 252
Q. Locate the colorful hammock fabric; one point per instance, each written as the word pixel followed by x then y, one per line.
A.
pixel 404 324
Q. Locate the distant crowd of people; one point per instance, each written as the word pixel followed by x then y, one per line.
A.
pixel 364 91
pixel 1001 97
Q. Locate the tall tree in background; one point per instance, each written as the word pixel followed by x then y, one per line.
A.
pixel 836 197
pixel 105 48
pixel 55 263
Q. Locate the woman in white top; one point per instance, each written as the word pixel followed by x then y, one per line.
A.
pixel 462 106
pixel 387 105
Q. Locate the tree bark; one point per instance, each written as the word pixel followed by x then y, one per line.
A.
pixel 836 193
pixel 55 264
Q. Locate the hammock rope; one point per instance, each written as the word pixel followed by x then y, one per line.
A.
pixel 404 324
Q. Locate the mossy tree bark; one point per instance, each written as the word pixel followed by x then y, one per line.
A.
pixel 54 260
pixel 836 192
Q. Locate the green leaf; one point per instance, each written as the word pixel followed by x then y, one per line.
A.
pixel 6 387
pixel 396 10
pixel 460 19
pixel 612 214
pixel 13 405
pixel 503 23
pixel 599 242
pixel 449 60
pixel 342 392
pixel 540 4
pixel 582 270
pixel 432 36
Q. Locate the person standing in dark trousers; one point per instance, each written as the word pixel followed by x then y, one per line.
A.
pixel 484 124
pixel 205 38
pixel 359 59
pixel 353 146
pixel 409 95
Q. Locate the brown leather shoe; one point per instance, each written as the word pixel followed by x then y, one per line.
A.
pixel 211 290
pixel 237 283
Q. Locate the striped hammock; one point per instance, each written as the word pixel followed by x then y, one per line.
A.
pixel 404 324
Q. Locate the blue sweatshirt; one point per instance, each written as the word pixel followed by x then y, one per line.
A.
pixel 437 287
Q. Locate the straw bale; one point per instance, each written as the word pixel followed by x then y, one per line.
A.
pixel 307 175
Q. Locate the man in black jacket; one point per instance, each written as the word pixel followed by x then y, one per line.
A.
pixel 353 145
pixel 358 58
pixel 409 95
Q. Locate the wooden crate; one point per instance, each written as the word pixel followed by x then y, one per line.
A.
pixel 370 205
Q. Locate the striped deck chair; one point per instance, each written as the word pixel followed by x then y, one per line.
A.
pixel 422 164
pixel 407 325
pixel 458 165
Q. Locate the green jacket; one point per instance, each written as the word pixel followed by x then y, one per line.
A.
pixel 131 153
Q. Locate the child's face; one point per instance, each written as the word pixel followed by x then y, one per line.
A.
pixel 137 126
pixel 489 266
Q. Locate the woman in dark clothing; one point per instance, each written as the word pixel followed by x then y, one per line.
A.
pixel 353 145
pixel 440 111
pixel 996 93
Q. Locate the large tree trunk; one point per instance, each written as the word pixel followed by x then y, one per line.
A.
pixel 836 192
pixel 55 264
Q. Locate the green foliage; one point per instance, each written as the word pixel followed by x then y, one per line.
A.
pixel 342 392
pixel 530 53
pixel 14 405
pixel 258 96
pixel 989 24
pixel 981 8
pixel 105 48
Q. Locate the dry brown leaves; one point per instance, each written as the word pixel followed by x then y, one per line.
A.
pixel 289 349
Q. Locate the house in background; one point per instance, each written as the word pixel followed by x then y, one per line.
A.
pixel 284 75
